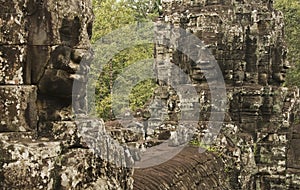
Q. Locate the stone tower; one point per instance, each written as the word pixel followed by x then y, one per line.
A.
pixel 42 43
pixel 259 135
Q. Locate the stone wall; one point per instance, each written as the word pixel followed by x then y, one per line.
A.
pixel 42 46
pixel 259 134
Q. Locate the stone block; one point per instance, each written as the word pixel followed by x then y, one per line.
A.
pixel 64 131
pixel 12 29
pixel 294 154
pixel 13 21
pixel 28 164
pixel 61 23
pixel 12 65
pixel 43 165
pixel 18 108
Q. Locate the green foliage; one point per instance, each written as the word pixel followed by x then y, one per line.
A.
pixel 111 15
pixel 200 144
pixel 111 71
pixel 145 9
pixel 141 94
pixel 291 11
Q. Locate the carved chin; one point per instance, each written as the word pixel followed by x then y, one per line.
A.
pixel 56 83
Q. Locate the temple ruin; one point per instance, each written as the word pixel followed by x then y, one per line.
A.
pixel 42 45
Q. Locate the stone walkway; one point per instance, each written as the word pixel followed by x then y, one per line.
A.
pixel 157 155
pixel 187 170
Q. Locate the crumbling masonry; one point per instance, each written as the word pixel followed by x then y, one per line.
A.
pixel 42 43
pixel 41 47
pixel 259 138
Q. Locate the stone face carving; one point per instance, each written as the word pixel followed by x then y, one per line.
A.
pixel 44 47
pixel 42 44
pixel 259 134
